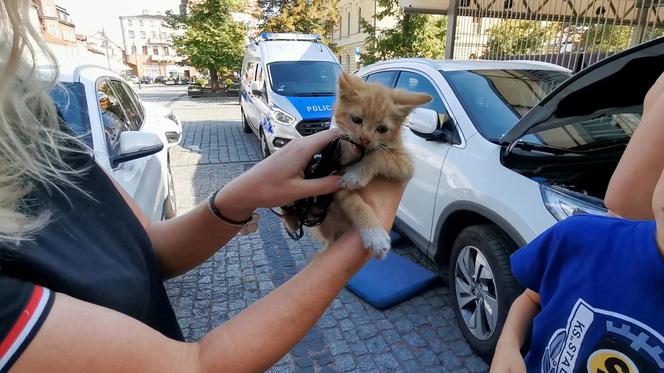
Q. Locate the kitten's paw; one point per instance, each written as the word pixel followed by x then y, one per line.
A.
pixel 352 180
pixel 376 240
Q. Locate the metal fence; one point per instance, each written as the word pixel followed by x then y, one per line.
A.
pixel 569 33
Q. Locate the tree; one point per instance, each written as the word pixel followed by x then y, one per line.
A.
pixel 517 37
pixel 303 16
pixel 212 39
pixel 413 35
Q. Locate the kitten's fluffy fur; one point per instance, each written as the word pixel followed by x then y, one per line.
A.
pixel 381 113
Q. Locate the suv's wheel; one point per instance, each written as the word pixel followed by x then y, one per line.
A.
pixel 265 149
pixel 170 208
pixel 245 124
pixel 482 285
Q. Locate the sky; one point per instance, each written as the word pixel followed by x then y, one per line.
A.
pixel 90 16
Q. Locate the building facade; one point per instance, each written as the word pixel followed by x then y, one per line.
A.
pixel 349 37
pixel 148 46
pixel 57 28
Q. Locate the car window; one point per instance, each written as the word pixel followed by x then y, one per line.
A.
pixel 131 108
pixel 260 78
pixel 249 71
pixel 414 82
pixel 304 78
pixel 69 99
pixel 136 100
pixel 113 116
pixel 385 78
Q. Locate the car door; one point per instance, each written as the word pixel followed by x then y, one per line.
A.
pixel 250 103
pixel 417 205
pixel 118 116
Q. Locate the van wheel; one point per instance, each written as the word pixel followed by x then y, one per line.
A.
pixel 265 149
pixel 170 208
pixel 482 285
pixel 245 124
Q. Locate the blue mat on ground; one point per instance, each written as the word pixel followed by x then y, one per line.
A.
pixel 384 283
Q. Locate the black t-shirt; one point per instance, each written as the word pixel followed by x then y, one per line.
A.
pixel 95 249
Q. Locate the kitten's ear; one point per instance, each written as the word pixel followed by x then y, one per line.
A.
pixel 347 85
pixel 409 100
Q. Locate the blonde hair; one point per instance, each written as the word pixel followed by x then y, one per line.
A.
pixel 32 146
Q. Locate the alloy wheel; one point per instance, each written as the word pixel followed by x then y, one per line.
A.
pixel 476 293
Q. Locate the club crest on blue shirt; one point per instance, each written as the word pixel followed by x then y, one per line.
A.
pixel 601 341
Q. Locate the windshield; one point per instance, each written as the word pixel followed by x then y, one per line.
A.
pixel 304 78
pixel 495 100
pixel 69 99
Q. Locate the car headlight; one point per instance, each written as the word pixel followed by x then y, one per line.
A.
pixel 282 117
pixel 172 117
pixel 563 203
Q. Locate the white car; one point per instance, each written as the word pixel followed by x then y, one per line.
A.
pixel 130 138
pixel 475 199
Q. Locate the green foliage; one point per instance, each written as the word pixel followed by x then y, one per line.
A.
pixel 517 37
pixel 228 82
pixel 413 35
pixel 302 16
pixel 212 40
pixel 201 82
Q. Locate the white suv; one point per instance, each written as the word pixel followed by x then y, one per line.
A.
pixel 130 138
pixel 475 198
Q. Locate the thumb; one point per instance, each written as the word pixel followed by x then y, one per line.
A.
pixel 323 185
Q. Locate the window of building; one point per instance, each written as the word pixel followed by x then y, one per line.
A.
pixel 142 34
pixel 144 50
pixel 166 51
pixel 359 19
pixel 348 25
pixel 133 49
pixel 140 22
pixel 155 51
pixel 129 23
pixel 163 35
pixel 154 34
pixel 131 34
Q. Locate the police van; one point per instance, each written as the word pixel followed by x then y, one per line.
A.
pixel 289 84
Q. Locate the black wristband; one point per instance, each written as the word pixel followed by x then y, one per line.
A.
pixel 215 211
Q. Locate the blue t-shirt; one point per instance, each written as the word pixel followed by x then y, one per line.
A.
pixel 601 284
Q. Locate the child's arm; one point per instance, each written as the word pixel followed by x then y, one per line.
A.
pixel 507 357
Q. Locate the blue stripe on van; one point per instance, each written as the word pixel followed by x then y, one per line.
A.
pixel 313 107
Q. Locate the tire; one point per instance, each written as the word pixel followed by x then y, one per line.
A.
pixel 170 208
pixel 265 149
pixel 245 125
pixel 486 249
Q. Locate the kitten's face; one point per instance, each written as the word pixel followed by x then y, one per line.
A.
pixel 371 114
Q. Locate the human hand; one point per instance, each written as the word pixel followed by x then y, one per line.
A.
pixel 507 359
pixel 278 180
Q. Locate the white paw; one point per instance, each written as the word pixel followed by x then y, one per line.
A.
pixel 376 240
pixel 352 180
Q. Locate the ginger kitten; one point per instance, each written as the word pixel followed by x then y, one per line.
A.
pixel 371 115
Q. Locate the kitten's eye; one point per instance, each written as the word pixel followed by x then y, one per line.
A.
pixel 381 129
pixel 356 120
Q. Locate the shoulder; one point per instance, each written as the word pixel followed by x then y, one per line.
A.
pixel 589 229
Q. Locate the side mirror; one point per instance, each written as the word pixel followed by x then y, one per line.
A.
pixel 134 144
pixel 256 89
pixel 425 124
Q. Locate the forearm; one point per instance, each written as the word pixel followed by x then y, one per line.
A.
pixel 186 241
pixel 631 187
pixel 519 320
pixel 260 335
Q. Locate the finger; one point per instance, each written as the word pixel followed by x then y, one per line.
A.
pixel 316 142
pixel 316 187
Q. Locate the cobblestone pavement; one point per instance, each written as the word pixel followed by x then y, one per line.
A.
pixel 418 335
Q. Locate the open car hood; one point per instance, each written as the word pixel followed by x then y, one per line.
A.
pixel 610 86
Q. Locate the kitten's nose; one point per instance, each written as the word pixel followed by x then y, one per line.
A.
pixel 364 140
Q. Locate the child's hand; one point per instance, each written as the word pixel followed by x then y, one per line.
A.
pixel 507 359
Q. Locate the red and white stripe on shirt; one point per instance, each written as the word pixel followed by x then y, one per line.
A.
pixel 18 334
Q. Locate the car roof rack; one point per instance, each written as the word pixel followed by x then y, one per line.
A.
pixel 266 36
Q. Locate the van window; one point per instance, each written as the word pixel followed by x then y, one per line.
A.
pixel 249 72
pixel 304 78
pixel 261 80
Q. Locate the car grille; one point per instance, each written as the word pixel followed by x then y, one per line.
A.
pixel 309 127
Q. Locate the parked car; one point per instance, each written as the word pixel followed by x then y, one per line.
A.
pixel 169 81
pixel 288 88
pixel 495 166
pixel 159 79
pixel 128 137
